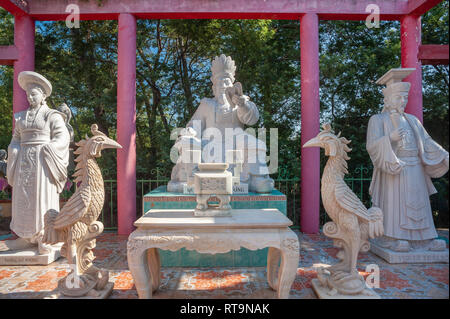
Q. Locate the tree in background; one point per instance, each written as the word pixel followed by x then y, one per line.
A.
pixel 173 71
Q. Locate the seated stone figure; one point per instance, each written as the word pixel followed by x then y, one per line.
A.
pixel 218 127
pixel 405 158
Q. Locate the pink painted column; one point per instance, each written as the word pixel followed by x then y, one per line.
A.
pixel 126 123
pixel 410 29
pixel 310 123
pixel 24 42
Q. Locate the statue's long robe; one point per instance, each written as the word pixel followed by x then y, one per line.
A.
pixel 401 182
pixel 37 168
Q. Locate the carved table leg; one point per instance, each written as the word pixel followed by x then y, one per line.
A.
pixel 290 251
pixel 137 262
pixel 154 265
pixel 273 259
pixel 202 201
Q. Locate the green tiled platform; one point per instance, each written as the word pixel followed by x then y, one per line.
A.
pixel 159 198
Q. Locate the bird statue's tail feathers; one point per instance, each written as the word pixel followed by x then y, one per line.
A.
pixel 376 228
pixel 51 235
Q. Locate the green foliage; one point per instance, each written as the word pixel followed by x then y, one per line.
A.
pixel 173 74
pixel 352 58
pixel 435 77
pixel 6 80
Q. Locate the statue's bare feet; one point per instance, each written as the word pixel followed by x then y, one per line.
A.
pixel 15 244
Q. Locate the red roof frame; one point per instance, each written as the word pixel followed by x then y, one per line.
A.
pixel 8 54
pixel 52 10
pixel 433 54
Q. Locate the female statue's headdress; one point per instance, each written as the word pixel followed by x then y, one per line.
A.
pixel 28 79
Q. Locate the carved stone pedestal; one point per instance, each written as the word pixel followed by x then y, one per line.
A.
pixel 93 294
pixel 175 229
pixel 26 257
pixel 412 257
pixel 326 293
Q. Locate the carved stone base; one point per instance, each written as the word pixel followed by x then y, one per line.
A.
pixel 27 257
pixel 325 293
pixel 411 257
pixel 93 294
pixel 212 212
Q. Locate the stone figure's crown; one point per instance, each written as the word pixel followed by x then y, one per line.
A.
pixel 393 80
pixel 223 66
pixel 397 88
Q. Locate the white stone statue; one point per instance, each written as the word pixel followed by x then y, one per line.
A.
pixel 37 164
pixel 218 126
pixel 77 226
pixel 3 163
pixel 405 158
pixel 64 109
pixel 352 223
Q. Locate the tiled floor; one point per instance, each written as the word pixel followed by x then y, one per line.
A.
pixel 402 281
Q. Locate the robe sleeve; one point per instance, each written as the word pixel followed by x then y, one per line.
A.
pixel 56 152
pixel 248 113
pixel 380 149
pixel 434 157
pixel 13 152
pixel 199 117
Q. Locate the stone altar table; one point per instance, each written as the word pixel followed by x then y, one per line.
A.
pixel 248 228
pixel 159 198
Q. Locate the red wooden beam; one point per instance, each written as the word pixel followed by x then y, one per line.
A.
pixel 230 9
pixel 207 9
pixel 16 7
pixel 419 7
pixel 8 54
pixel 433 54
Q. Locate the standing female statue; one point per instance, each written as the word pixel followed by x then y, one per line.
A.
pixel 37 164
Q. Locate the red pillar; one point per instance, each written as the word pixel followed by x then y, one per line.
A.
pixel 24 42
pixel 126 123
pixel 310 123
pixel 411 39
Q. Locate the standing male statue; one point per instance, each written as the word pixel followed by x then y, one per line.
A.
pixel 37 164
pixel 210 127
pixel 405 158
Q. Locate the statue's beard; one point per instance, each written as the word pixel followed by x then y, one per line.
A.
pixel 399 109
pixel 221 97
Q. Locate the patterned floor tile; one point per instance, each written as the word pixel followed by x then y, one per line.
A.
pixel 399 281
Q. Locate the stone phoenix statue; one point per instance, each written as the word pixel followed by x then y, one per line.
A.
pixel 76 224
pixel 37 164
pixel 405 158
pixel 228 112
pixel 351 225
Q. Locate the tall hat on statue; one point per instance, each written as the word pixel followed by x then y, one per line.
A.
pixel 29 79
pixel 223 66
pixel 393 81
